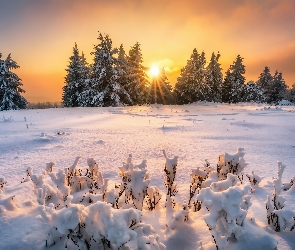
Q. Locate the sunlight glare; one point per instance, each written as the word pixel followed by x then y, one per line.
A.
pixel 154 71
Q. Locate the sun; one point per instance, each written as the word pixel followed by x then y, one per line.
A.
pixel 154 71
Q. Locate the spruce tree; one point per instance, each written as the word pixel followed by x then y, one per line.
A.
pixel 104 88
pixel 265 81
pixel 213 79
pixel 233 87
pixel 274 87
pixel 278 88
pixel 161 90
pixel 123 75
pixel 10 86
pixel 75 80
pixel 138 84
pixel 190 84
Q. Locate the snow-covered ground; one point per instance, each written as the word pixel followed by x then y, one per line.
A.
pixel 32 138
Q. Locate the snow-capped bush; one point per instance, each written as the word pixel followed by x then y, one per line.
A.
pixel 228 173
pixel 278 216
pixel 153 197
pixel 225 216
pixel 99 226
pixel 254 180
pixel 277 182
pixel 287 186
pixel 170 173
pixel 178 219
pixel 198 179
pixel 222 185
pixel 135 183
pixel 233 164
pixel 80 207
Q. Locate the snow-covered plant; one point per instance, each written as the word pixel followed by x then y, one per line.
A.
pixel 287 186
pixel 277 183
pixel 233 164
pixel 99 226
pixel 198 177
pixel 231 180
pixel 135 183
pixel 170 173
pixel 38 180
pixel 279 220
pixel 278 216
pixel 178 219
pixel 254 180
pixel 153 197
pixel 272 218
pixel 49 167
pixel 2 184
pixel 9 119
pixel 225 213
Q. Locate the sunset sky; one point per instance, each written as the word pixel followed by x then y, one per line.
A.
pixel 40 34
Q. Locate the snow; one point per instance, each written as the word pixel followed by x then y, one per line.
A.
pixel 40 148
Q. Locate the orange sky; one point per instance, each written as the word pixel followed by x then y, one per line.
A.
pixel 40 34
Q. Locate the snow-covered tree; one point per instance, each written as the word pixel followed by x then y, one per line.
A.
pixel 161 90
pixel 265 83
pixel 76 79
pixel 233 86
pixel 10 86
pixel 123 73
pixel 213 79
pixel 253 93
pixel 137 86
pixel 273 87
pixel 190 83
pixel 104 88
pixel 278 88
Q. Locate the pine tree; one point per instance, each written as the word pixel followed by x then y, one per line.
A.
pixel 136 76
pixel 75 80
pixel 213 79
pixel 278 88
pixel 123 73
pixel 265 82
pixel 190 84
pixel 274 87
pixel 104 88
pixel 161 90
pixel 233 87
pixel 10 86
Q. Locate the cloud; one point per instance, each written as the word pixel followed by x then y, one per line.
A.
pixel 282 59
pixel 41 34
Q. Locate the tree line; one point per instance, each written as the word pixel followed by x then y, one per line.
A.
pixel 117 78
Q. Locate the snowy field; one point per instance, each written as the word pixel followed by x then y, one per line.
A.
pixel 33 138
